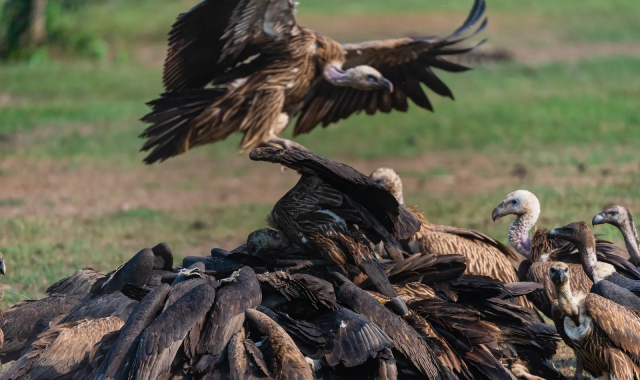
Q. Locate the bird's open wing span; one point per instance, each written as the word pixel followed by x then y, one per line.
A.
pixel 216 34
pixel 396 219
pixel 406 62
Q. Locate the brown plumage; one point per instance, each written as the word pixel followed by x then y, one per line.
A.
pixel 267 69
pixel 604 335
pixel 3 270
pixel 62 351
pixel 287 362
pixel 79 283
pixel 485 255
pixel 246 361
pixel 337 212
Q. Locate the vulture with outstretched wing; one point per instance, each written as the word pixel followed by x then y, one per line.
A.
pixel 266 69
pixel 337 212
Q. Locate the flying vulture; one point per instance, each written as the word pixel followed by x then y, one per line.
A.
pixel 337 212
pixel 485 256
pixel 265 69
pixel 620 217
pixel 604 335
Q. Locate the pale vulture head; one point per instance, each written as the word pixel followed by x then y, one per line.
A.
pixel 390 180
pixel 519 203
pixel 359 77
pixel 615 215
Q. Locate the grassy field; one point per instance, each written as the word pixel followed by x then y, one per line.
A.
pixel 74 193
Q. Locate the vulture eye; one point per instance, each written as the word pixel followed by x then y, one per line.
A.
pixel 514 202
pixel 371 78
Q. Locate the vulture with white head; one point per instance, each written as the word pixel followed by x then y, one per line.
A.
pixel 266 69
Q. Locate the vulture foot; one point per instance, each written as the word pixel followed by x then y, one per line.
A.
pixel 278 142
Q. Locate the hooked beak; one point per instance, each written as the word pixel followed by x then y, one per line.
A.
pixel 3 268
pixel 498 212
pixel 554 233
pixel 558 276
pixel 385 83
pixel 598 219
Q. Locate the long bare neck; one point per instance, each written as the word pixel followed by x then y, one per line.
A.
pixel 566 302
pixel 519 232
pixel 630 234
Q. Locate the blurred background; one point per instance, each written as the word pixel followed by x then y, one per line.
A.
pixel 552 106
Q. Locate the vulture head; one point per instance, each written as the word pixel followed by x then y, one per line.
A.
pixel 521 203
pixel 3 267
pixel 390 180
pixel 577 233
pixel 559 273
pixel 359 77
pixel 265 241
pixel 615 215
pixel 163 257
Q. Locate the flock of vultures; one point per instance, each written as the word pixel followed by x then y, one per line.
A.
pixel 346 282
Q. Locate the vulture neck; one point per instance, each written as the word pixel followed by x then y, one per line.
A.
pixel 631 240
pixel 589 261
pixel 519 232
pixel 334 74
pixel 566 302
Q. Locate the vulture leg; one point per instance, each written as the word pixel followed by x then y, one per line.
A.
pixel 579 370
pixel 274 140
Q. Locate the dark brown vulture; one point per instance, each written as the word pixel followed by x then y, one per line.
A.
pixel 541 251
pixel 161 341
pixel 605 336
pixel 237 294
pixel 62 351
pixel 337 212
pixel 266 70
pixel 246 361
pixel 78 284
pixel 3 270
pixel 620 217
pixel 118 360
pixel 485 255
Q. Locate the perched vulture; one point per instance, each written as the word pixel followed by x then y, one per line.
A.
pixel 137 271
pixel 607 282
pixel 161 341
pixel 542 251
pixel 620 217
pixel 605 336
pixel 26 319
pixel 266 70
pixel 485 256
pixel 287 362
pixel 337 212
pixel 62 351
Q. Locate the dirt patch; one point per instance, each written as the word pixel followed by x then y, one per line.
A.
pixel 195 180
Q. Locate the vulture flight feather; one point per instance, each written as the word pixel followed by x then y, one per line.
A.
pixel 266 69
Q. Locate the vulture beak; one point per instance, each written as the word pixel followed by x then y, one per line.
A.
pixel 385 83
pixel 3 268
pixel 554 233
pixel 497 212
pixel 598 219
pixel 558 276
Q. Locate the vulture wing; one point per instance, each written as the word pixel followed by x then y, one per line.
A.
pixel 119 357
pixel 160 342
pixel 113 304
pixel 372 197
pixel 245 359
pixel 26 319
pixel 620 324
pixel 406 339
pixel 406 62
pixel 475 236
pixel 79 283
pixel 227 316
pixel 214 35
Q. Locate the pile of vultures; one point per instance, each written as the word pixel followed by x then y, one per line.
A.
pixel 346 283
